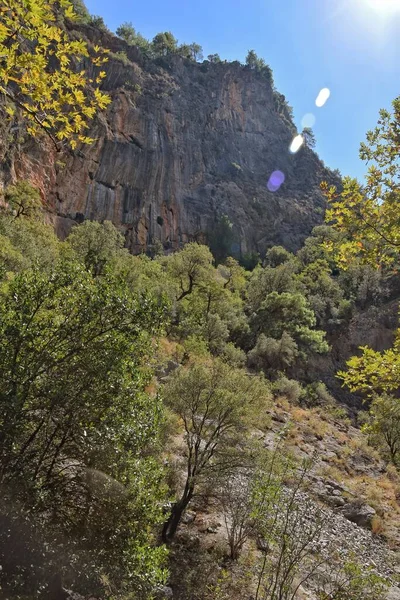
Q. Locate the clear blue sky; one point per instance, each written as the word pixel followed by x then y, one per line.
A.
pixel 350 46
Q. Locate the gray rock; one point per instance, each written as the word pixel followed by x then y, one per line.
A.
pixel 164 591
pixel 188 517
pixel 359 513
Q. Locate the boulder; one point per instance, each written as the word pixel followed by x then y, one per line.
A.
pixel 359 513
pixel 164 591
pixel 188 517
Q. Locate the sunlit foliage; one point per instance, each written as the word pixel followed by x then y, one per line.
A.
pixel 43 78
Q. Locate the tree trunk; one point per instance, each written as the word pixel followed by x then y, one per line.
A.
pixel 172 523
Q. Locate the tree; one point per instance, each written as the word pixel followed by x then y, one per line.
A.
pixel 184 50
pixel 289 312
pixel 78 428
pixel 350 580
pixel 214 58
pixel 30 242
pixel 127 32
pixel 254 62
pixel 213 400
pixel 383 426
pixel 234 494
pixel 264 281
pixel 98 22
pixel 221 239
pixel 189 268
pixel 309 137
pixel 273 355
pixel 164 43
pixel 324 294
pixel 81 11
pixel 233 274
pixel 367 219
pixel 96 244
pixel 368 216
pixel 288 524
pixel 196 51
pixel 277 255
pixel 23 199
pixel 37 78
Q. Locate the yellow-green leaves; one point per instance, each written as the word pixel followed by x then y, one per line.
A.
pixel 42 72
pixel 368 216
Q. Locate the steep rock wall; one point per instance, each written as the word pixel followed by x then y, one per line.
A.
pixel 181 145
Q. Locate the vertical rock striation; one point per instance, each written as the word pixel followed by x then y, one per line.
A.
pixel 181 145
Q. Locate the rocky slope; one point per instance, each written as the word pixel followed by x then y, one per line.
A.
pixel 181 145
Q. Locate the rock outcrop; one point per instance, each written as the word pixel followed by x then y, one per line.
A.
pixel 181 145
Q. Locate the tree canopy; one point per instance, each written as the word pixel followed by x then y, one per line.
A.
pixel 42 72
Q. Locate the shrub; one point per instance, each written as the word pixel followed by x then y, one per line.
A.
pixel 290 388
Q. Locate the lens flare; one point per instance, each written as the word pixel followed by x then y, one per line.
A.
pixel 322 97
pixel 308 120
pixel 296 144
pixel 275 181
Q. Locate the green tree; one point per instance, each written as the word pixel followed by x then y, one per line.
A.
pixel 196 51
pixel 81 11
pixel 254 62
pixel 96 244
pixel 27 242
pixel 324 293
pixel 367 219
pixel 185 51
pixel 273 355
pixel 23 199
pixel 214 58
pixel 309 137
pixel 368 215
pixel 214 401
pixel 37 79
pixel 264 281
pixel 189 269
pixel 277 255
pixel 127 32
pixel 383 426
pixel 221 239
pixel 282 520
pixel 164 43
pixel 77 427
pixel 289 312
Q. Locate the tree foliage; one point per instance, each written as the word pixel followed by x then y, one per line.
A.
pixel 253 61
pixel 164 43
pixel 96 244
pixel 213 400
pixel 23 200
pixel 42 72
pixel 368 215
pixel 76 419
pixel 383 426
pixel 367 219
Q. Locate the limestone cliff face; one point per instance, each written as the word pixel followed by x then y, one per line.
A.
pixel 181 145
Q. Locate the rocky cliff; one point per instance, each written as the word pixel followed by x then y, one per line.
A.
pixel 181 145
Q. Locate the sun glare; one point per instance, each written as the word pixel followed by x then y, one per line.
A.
pixel 384 6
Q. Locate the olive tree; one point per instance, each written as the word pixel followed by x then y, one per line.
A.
pixel 214 401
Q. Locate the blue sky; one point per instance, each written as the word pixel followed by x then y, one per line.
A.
pixel 350 46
